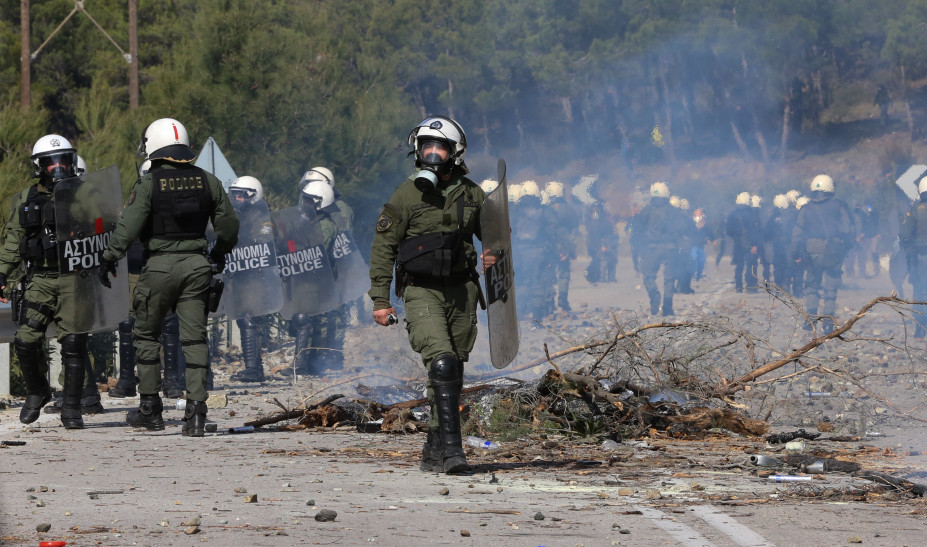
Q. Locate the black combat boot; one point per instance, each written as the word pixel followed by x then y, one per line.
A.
pixel 125 386
pixel 173 386
pixel 38 392
pixel 444 374
pixel 74 359
pixel 90 402
pixel 301 329
pixel 148 414
pixel 432 456
pixel 251 354
pixel 194 419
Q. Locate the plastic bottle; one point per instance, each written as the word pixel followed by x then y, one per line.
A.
pixel 477 442
pixel 789 478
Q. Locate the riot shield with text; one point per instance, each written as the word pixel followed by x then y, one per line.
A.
pixel 304 266
pixel 252 284
pixel 499 278
pixel 352 276
pixel 87 209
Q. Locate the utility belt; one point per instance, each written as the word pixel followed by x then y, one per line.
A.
pixel 148 254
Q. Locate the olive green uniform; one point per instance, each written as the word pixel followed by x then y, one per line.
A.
pixel 328 329
pixel 42 289
pixel 175 276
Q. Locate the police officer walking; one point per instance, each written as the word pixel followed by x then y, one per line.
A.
pixel 913 239
pixel 426 229
pixel 743 227
pixel 31 239
pixel 659 233
pixel 168 210
pixel 821 238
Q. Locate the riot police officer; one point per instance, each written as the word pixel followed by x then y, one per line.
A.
pixel 328 329
pixel 821 239
pixel 169 209
pixel 743 227
pixel 247 196
pixel 314 199
pixel 31 239
pixel 426 229
pixel 913 242
pixel 566 220
pixel 661 233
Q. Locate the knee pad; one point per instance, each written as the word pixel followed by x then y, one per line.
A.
pixel 171 324
pixel 74 345
pixel 444 367
pixel 126 327
pixel 245 323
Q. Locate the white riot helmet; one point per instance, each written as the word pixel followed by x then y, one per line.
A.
pixel 319 193
pixel 53 159
pixel 684 204
pixel 659 190
pixel 318 173
pixel 438 144
pixel 674 201
pixel 743 198
pixel 781 201
pixel 246 189
pixel 166 139
pixel 530 189
pixel 922 186
pixel 756 201
pixel 554 189
pixel 802 201
pixel 793 195
pixel 822 183
pixel 489 185
pixel 81 166
pixel 144 168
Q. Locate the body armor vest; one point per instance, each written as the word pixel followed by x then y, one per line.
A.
pixel 920 231
pixel 181 203
pixel 37 217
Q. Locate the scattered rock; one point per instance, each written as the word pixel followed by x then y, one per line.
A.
pixel 217 400
pixel 310 503
pixel 539 516
pixel 251 498
pixel 653 494
pixel 465 533
pixel 192 530
pixel 40 503
pixel 825 427
pixel 326 515
pixel 855 539
pixel 624 531
pixel 43 489
pixel 241 490
pixel 625 491
pixel 444 491
pixel 195 521
pixel 44 527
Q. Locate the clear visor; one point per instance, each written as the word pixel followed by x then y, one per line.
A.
pixel 310 200
pixel 243 194
pixel 61 162
pixel 434 152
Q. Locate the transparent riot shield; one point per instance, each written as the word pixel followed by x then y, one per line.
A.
pixel 303 263
pixel 499 278
pixel 7 325
pixel 87 210
pixel 352 276
pixel 252 284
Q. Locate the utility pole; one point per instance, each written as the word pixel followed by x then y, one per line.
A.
pixel 133 53
pixel 25 81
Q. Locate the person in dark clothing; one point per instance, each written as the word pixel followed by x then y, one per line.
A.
pixel 660 233
pixel 821 238
pixel 743 227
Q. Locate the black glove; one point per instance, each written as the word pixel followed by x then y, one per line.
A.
pixel 218 260
pixel 3 280
pixel 107 267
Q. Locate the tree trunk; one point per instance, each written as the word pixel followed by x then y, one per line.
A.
pixel 907 103
pixel 783 145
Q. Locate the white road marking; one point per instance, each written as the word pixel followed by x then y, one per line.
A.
pixel 683 534
pixel 740 534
